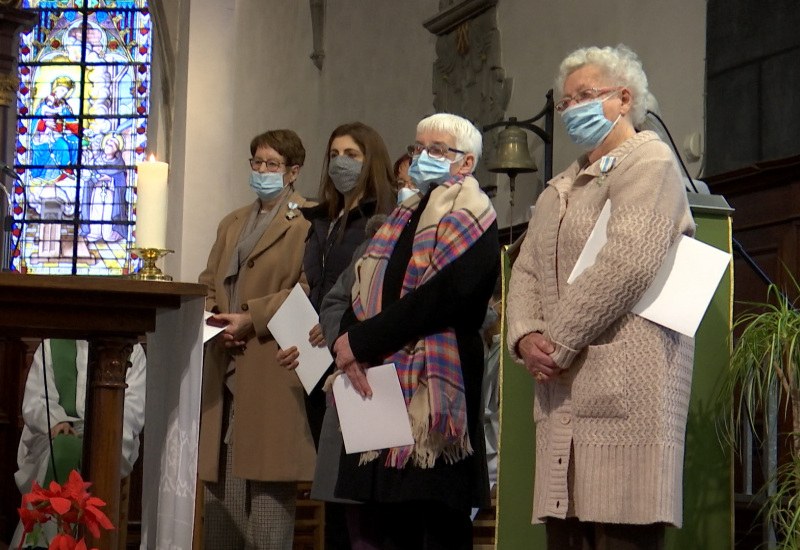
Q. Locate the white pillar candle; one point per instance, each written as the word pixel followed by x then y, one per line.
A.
pixel 151 204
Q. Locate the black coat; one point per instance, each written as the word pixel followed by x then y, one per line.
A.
pixel 326 257
pixel 324 260
pixel 456 297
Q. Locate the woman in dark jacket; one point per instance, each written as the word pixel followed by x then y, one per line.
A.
pixel 357 183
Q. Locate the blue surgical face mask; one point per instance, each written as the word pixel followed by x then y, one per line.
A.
pixel 586 124
pixel 405 193
pixel 424 171
pixel 267 185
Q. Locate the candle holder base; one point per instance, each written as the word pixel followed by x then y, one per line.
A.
pixel 149 271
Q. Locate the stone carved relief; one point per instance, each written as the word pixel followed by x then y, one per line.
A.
pixel 9 84
pixel 468 79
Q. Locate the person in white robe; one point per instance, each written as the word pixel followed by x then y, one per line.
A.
pixel 33 456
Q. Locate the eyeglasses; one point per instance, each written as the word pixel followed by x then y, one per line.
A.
pixel 404 182
pixel 434 151
pixel 272 165
pixel 584 95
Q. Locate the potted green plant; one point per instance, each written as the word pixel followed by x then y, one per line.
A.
pixel 765 367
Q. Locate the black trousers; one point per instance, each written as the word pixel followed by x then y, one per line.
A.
pixel 420 525
pixel 573 534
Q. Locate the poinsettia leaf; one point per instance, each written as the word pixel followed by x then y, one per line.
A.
pixel 30 517
pixel 72 516
pixel 94 501
pixel 61 505
pixel 76 488
pixel 32 498
pixel 94 529
pixel 63 542
pixel 98 516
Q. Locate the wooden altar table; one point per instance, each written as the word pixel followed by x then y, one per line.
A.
pixel 111 313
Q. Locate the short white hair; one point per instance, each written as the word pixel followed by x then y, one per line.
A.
pixel 619 66
pixel 468 137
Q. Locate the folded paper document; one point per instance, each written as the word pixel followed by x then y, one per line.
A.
pixel 377 422
pixel 683 287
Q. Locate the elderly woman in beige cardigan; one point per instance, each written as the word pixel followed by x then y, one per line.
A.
pixel 612 388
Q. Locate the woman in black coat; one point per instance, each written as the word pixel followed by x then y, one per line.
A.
pixel 418 301
pixel 356 184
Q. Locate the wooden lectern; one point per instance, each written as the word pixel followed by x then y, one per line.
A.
pixel 111 313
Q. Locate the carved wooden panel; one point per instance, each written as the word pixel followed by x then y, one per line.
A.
pixel 766 197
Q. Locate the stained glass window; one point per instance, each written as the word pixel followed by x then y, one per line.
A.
pixel 82 103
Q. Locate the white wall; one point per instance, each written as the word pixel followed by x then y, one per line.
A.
pixel 244 67
pixel 247 70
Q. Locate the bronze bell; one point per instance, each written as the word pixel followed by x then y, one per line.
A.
pixel 512 156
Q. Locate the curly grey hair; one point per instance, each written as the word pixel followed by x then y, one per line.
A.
pixel 620 66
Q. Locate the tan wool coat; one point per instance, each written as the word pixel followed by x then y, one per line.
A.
pixel 610 428
pixel 271 437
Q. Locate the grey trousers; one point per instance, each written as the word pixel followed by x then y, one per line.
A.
pixel 247 514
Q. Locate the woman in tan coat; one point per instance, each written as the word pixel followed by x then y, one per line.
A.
pixel 251 466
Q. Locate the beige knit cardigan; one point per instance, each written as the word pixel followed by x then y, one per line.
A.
pixel 610 430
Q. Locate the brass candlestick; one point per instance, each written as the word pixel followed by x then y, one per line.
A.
pixel 149 271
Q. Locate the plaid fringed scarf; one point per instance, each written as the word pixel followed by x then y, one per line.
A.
pixel 456 216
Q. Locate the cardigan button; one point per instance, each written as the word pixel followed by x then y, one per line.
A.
pixel 565 419
pixel 245 307
pixel 250 263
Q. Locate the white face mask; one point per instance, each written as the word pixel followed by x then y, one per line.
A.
pixel 405 193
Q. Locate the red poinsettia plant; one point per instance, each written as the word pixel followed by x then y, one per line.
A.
pixel 68 506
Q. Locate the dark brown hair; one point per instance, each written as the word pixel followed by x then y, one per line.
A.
pixel 286 142
pixel 375 181
pixel 399 162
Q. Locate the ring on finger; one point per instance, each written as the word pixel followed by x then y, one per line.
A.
pixel 539 376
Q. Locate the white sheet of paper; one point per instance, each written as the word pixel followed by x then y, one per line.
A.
pixel 209 331
pixel 290 326
pixel 378 422
pixel 683 287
